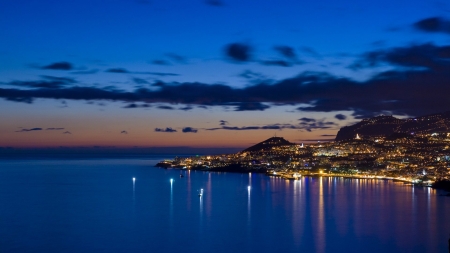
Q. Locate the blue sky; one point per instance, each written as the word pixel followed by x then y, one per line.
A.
pixel 113 73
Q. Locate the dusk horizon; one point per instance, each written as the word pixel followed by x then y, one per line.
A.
pixel 214 73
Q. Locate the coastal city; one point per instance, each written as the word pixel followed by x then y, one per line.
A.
pixel 420 158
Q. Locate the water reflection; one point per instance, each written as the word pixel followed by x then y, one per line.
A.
pixel 134 187
pixel 320 240
pixel 298 213
pixel 201 203
pixel 171 203
pixel 208 196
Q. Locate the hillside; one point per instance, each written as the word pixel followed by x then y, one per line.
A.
pixel 387 125
pixel 268 144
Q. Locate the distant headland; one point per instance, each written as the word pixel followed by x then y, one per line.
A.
pixel 412 151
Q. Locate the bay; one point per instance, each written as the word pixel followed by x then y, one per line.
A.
pixel 95 206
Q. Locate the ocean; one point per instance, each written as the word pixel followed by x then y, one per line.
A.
pixel 94 205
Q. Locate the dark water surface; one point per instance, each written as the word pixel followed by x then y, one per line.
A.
pixel 93 206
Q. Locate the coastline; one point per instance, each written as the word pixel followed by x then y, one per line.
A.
pixel 290 176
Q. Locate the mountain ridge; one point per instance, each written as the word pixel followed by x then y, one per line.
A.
pixel 384 126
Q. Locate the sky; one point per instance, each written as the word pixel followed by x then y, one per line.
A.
pixel 214 73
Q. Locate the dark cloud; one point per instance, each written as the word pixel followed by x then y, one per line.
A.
pixel 309 124
pixel 189 130
pixel 287 52
pixel 160 62
pixel 223 122
pixel 117 70
pixel 59 66
pixel 67 132
pixel 340 116
pixel 308 127
pixel 216 3
pixel 433 24
pixel 186 108
pixel 85 72
pixel 250 106
pixel 124 132
pixel 310 51
pixel 167 130
pixel 176 57
pixel 133 105
pixel 280 63
pixel 426 55
pixel 29 129
pixel 239 52
pixel 248 74
pixel 50 82
pixel 140 81
pixel 307 120
pixel 165 107
pixel 234 128
pixel 419 86
pixel 125 71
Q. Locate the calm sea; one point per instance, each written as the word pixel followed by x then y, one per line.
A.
pixel 94 206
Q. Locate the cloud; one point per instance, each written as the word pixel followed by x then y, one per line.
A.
pixel 117 70
pixel 125 71
pixel 307 120
pixel 140 81
pixel 340 116
pixel 223 122
pixel 40 129
pixel 250 106
pixel 216 3
pixel 167 130
pixel 189 130
pixel 165 107
pixel 310 51
pixel 309 124
pixel 427 55
pixel 59 66
pixel 248 74
pixel 133 105
pixel 287 52
pixel 238 52
pixel 124 132
pixel 416 85
pixel 67 132
pixel 307 127
pixel 160 62
pixel 281 63
pixel 50 82
pixel 85 72
pixel 186 108
pixel 176 57
pixel 433 25
pixel 29 129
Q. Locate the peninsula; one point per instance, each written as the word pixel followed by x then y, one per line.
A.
pixel 413 150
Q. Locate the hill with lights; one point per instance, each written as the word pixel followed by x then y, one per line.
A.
pixel 269 144
pixel 384 126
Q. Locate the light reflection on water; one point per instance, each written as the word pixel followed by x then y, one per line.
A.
pixel 82 207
